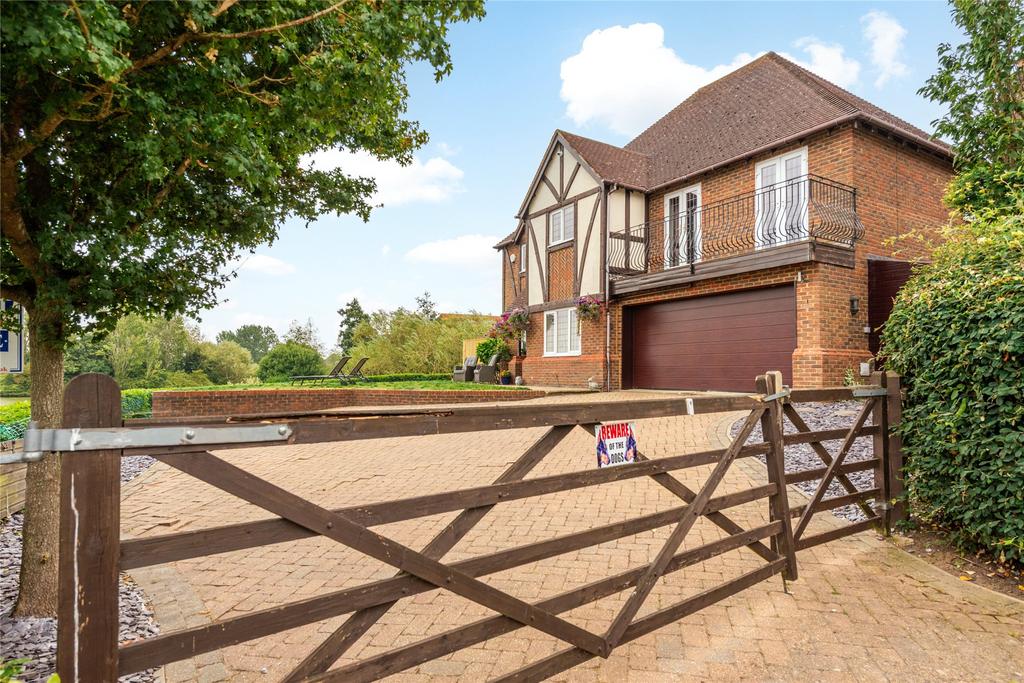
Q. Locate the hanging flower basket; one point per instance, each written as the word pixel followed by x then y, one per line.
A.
pixel 589 308
pixel 511 325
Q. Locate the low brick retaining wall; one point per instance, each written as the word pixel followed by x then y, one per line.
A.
pixel 256 401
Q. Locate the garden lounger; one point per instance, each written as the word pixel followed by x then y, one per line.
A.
pixel 356 373
pixel 488 374
pixel 335 373
pixel 464 372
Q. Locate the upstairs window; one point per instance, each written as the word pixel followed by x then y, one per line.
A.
pixel 522 257
pixel 561 333
pixel 563 224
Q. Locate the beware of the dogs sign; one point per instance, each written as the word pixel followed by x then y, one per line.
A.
pixel 616 444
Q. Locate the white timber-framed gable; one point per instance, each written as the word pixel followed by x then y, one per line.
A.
pixel 565 188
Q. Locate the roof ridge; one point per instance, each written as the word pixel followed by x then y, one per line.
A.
pixel 567 134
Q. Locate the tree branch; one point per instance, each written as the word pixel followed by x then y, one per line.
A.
pixel 48 125
pixel 81 22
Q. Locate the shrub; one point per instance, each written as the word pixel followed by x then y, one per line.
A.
pixel 490 346
pixel 137 402
pixel 956 334
pixel 289 359
pixel 400 341
pixel 225 362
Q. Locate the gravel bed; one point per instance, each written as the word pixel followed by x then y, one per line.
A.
pixel 35 639
pixel 818 416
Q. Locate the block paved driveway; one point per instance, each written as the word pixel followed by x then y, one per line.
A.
pixel 861 610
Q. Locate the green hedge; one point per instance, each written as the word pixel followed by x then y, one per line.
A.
pixel 409 377
pixel 956 335
pixel 14 417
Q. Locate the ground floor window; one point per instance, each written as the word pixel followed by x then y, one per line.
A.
pixel 561 333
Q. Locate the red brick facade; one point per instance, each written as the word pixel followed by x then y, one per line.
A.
pixel 267 401
pixel 899 190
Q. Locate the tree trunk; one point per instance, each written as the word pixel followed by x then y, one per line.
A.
pixel 38 594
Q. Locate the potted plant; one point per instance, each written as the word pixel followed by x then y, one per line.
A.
pixel 505 377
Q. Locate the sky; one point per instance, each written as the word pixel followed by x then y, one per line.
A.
pixel 605 70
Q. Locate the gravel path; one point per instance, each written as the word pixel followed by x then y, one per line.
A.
pixel 800 457
pixel 35 639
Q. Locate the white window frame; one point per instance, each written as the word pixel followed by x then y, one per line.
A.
pixel 681 238
pixel 562 237
pixel 574 335
pixel 761 223
pixel 522 258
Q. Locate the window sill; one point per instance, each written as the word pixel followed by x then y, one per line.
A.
pixel 560 245
pixel 562 355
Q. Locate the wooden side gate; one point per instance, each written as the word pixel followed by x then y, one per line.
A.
pixel 93 553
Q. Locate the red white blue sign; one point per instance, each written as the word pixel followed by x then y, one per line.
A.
pixel 12 354
pixel 616 444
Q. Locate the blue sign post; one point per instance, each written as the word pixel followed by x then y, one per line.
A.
pixel 12 354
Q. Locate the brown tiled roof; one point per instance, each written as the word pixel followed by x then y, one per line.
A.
pixel 765 102
pixel 611 163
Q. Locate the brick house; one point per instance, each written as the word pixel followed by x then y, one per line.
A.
pixel 748 229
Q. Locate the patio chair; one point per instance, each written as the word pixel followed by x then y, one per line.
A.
pixel 356 373
pixel 488 374
pixel 464 372
pixel 335 373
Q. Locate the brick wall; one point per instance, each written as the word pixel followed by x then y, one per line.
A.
pixel 561 273
pixel 574 371
pixel 261 401
pixel 513 282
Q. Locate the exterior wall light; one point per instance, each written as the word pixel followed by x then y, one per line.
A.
pixel 854 305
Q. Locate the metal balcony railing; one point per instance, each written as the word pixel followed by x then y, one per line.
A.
pixel 808 208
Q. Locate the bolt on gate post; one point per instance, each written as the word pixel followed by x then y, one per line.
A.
pixel 90 529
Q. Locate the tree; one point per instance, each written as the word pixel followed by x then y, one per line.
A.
pixel 288 360
pixel 258 339
pixel 226 362
pixel 146 145
pixel 142 350
pixel 402 341
pixel 85 353
pixel 982 83
pixel 305 334
pixel 425 307
pixel 351 315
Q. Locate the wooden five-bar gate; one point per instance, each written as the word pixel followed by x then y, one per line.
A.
pixel 93 553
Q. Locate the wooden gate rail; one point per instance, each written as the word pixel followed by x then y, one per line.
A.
pixel 87 637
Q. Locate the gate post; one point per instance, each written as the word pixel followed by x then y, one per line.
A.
pixel 880 451
pixel 90 536
pixel 771 432
pixel 894 415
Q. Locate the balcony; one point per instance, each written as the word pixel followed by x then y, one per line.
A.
pixel 809 218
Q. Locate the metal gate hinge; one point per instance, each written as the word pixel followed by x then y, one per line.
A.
pixel 37 442
pixel 777 395
pixel 868 392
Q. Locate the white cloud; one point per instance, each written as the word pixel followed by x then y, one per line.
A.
pixel 267 265
pixel 447 150
pixel 465 251
pixel 433 180
pixel 385 250
pixel 658 79
pixel 886 37
pixel 827 60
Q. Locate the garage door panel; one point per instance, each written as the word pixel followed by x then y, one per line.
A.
pixel 714 342
pixel 705 334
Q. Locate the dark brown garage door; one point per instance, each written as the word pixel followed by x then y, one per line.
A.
pixel 711 342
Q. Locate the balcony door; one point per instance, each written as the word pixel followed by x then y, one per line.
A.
pixel 682 227
pixel 780 199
